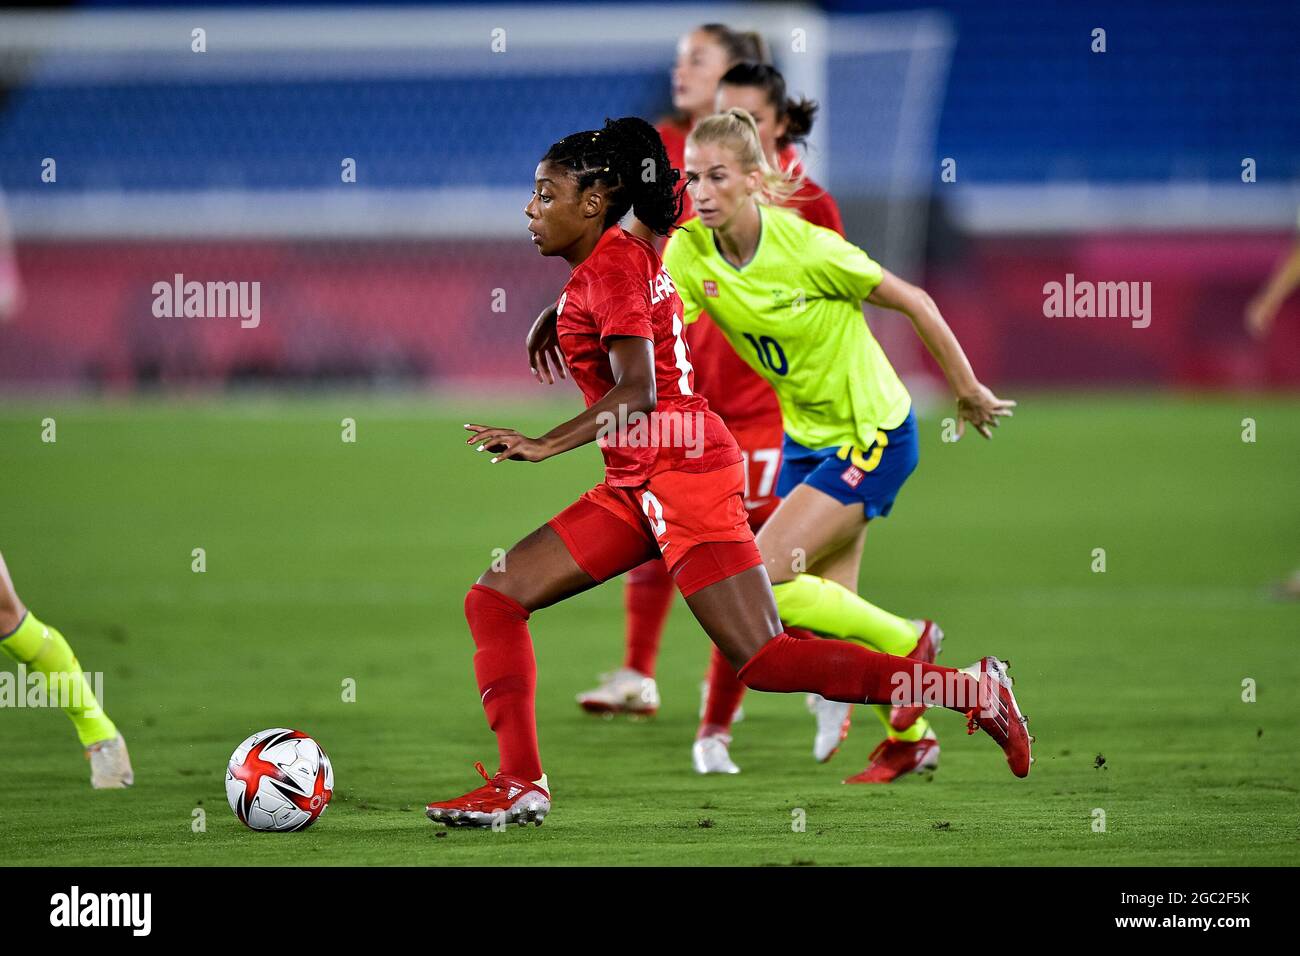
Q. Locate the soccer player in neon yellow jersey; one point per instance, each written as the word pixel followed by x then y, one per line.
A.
pixel 788 295
pixel 39 648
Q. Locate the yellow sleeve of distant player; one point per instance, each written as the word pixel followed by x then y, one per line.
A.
pixel 678 257
pixel 837 268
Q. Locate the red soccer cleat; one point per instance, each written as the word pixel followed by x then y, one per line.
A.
pixel 503 799
pixel 893 758
pixel 998 714
pixel 927 649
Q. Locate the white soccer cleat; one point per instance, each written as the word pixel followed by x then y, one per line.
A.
pixel 736 717
pixel 624 691
pixel 832 725
pixel 110 764
pixel 709 755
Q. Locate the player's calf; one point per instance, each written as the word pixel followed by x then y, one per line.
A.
pixel 847 672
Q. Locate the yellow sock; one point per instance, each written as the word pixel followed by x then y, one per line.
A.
pixel 822 605
pixel 911 734
pixel 42 648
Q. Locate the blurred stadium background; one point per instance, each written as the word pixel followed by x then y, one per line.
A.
pixel 226 166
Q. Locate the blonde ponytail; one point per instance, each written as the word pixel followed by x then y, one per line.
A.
pixel 737 130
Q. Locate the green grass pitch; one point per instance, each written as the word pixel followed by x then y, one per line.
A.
pixel 328 561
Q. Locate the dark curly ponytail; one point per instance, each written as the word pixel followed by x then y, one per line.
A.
pixel 628 158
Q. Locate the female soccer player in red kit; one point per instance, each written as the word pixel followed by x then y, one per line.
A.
pixel 619 330
pixel 704 56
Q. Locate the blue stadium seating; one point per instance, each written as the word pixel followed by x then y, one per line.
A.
pixel 1183 92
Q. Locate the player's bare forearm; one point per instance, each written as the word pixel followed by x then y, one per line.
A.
pixel 1285 278
pixel 631 360
pixel 1263 308
pixel 975 403
pixel 545 357
pixel 587 426
pixel 915 303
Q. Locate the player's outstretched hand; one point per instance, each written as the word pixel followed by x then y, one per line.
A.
pixel 1260 313
pixel 543 344
pixel 982 409
pixel 505 443
pixel 11 295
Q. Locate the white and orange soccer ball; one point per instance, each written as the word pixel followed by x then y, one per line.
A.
pixel 279 780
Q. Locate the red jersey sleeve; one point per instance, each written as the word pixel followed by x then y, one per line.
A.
pixel 823 211
pixel 818 207
pixel 618 304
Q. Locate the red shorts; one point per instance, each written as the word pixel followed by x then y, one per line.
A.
pixel 761 446
pixel 670 515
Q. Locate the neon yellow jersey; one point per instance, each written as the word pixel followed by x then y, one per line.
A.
pixel 794 314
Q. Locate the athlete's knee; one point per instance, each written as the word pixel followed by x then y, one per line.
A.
pixel 485 605
pixel 504 577
pixel 779 572
pixel 762 671
pixel 11 608
pixel 10 617
pixel 783 563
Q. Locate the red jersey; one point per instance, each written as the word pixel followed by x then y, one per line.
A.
pixel 816 205
pixel 734 390
pixel 674 137
pixel 622 288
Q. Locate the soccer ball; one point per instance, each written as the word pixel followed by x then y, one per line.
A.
pixel 279 780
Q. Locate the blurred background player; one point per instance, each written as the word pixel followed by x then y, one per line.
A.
pixel 42 649
pixel 11 287
pixel 1261 312
pixel 849 425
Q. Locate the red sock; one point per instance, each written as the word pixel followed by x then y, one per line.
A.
pixel 847 672
pixel 725 693
pixel 507 677
pixel 648 597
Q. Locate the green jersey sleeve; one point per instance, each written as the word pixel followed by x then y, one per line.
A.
pixel 837 269
pixel 677 260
